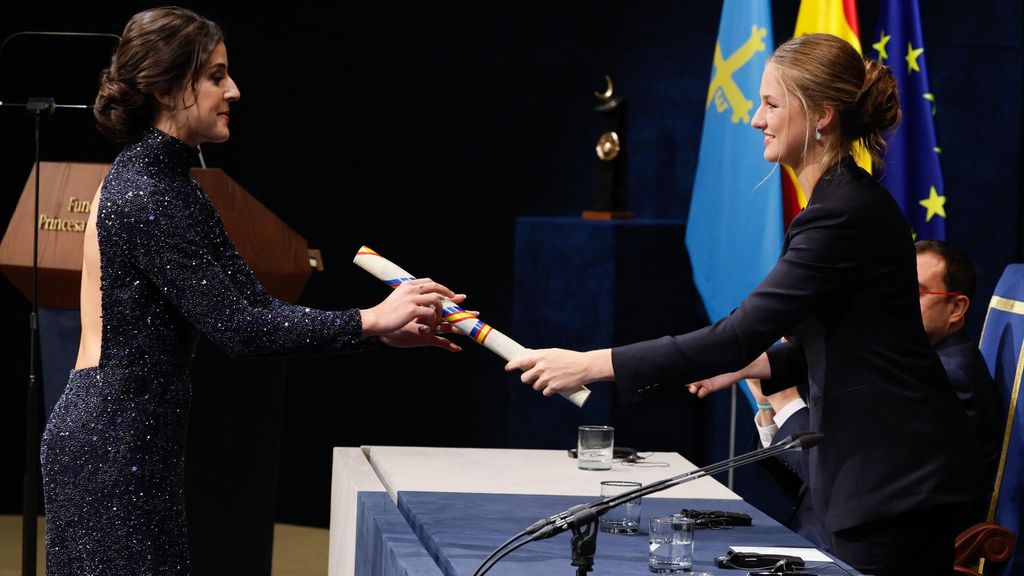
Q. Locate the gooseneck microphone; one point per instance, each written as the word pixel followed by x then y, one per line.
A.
pixel 582 515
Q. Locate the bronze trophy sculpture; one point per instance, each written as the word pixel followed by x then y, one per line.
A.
pixel 609 202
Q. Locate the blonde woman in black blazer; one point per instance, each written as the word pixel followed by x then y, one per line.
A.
pixel 895 477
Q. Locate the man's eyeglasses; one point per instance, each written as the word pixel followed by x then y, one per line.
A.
pixel 940 293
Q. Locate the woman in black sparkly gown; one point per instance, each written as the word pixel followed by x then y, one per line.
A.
pixel 113 449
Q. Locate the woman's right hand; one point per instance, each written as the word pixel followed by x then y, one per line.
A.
pixel 413 301
pixel 556 370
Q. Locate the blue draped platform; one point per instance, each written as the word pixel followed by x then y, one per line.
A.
pixel 385 543
pixel 456 531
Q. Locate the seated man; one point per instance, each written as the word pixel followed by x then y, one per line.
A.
pixel 946 280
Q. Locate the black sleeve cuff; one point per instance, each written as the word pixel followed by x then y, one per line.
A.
pixel 789 368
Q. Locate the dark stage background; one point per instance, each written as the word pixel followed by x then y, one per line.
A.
pixel 424 131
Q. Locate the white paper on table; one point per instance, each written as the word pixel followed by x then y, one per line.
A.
pixel 806 554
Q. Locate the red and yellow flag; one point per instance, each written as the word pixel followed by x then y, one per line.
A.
pixel 839 18
pixel 835 17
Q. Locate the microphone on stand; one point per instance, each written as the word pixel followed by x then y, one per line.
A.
pixel 32 481
pixel 582 515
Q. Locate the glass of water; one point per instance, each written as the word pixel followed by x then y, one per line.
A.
pixel 624 518
pixel 671 544
pixel 595 448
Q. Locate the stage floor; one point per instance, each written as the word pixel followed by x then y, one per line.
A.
pixel 298 550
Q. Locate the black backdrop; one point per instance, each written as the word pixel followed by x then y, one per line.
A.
pixel 425 130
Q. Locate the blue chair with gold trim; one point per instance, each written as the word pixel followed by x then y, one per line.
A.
pixel 1002 345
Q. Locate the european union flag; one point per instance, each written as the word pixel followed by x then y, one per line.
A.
pixel 734 229
pixel 912 173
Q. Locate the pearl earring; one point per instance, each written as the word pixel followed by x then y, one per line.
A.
pixel 817 134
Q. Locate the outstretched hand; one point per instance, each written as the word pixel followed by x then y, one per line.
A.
pixel 556 370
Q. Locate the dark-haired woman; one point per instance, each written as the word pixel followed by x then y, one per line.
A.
pixel 157 266
pixel 895 477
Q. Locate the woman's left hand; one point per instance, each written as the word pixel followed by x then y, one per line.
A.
pixel 704 387
pixel 555 370
pixel 415 334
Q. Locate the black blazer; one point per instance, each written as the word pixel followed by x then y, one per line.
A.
pixel 978 394
pixel 845 294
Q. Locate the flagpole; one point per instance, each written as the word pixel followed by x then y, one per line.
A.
pixel 732 432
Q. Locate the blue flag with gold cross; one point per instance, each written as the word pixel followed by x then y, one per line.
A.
pixel 912 171
pixel 734 228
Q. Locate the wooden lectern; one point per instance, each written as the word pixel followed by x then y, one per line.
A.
pixel 235 422
pixel 279 256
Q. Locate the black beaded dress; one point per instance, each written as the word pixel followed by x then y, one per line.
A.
pixel 113 449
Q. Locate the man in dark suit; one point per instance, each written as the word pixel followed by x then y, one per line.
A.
pixel 946 281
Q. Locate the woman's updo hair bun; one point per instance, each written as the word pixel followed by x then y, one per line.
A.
pixel 121 111
pixel 161 50
pixel 878 108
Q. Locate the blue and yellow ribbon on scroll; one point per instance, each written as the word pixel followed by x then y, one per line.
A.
pixel 463 322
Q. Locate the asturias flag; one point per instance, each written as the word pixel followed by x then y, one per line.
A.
pixel 912 171
pixel 734 230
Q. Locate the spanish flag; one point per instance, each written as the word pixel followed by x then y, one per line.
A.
pixel 835 17
pixel 839 18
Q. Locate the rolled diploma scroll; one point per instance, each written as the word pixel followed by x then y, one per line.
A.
pixel 464 322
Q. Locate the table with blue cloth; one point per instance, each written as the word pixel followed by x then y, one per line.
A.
pixel 459 530
pixel 441 511
pixel 367 483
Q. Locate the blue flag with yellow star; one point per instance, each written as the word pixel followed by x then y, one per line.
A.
pixel 912 172
pixel 734 229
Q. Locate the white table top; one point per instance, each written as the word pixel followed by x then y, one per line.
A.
pixel 506 471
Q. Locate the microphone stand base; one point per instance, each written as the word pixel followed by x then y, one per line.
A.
pixel 584 546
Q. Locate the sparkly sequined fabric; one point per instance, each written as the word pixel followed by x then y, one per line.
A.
pixel 113 449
